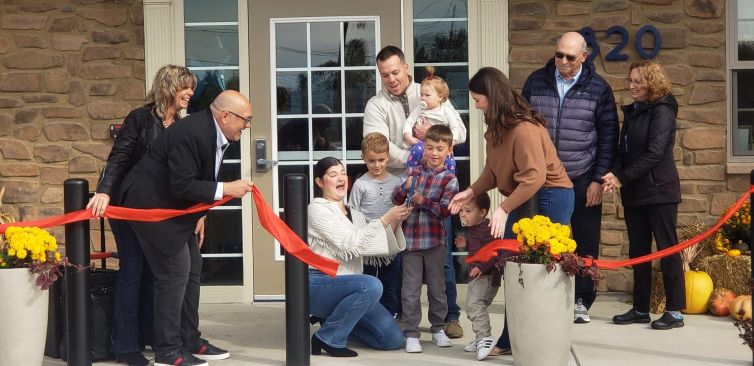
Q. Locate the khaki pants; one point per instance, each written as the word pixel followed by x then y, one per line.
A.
pixel 478 298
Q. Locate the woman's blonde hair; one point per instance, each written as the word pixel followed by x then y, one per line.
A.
pixel 169 80
pixel 438 83
pixel 653 77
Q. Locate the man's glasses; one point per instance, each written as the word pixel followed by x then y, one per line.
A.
pixel 570 58
pixel 246 120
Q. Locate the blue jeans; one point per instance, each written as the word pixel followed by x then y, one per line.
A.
pixel 350 304
pixel 555 203
pixel 134 293
pixel 454 311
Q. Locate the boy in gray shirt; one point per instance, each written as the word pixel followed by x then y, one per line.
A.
pixel 370 195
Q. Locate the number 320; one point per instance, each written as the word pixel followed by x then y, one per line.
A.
pixel 615 54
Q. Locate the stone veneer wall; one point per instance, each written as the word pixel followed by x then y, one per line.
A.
pixel 68 70
pixel 693 54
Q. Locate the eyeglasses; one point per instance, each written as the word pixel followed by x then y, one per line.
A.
pixel 246 120
pixel 570 58
pixel 630 81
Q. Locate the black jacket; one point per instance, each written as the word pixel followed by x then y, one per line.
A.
pixel 140 128
pixel 645 165
pixel 177 172
pixel 584 128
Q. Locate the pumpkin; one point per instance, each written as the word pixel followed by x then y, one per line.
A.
pixel 738 304
pixel 734 252
pixel 698 290
pixel 719 302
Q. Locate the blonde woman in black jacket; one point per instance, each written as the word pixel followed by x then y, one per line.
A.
pixel 650 189
pixel 171 90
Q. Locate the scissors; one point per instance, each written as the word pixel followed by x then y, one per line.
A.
pixel 411 192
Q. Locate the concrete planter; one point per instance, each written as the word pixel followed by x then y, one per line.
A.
pixel 540 314
pixel 23 318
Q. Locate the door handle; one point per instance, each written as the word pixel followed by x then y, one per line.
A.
pixel 263 164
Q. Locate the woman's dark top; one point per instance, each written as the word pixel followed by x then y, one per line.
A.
pixel 645 165
pixel 140 128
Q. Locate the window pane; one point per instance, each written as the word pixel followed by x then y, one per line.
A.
pixel 290 45
pixel 457 78
pixel 326 134
pixel 222 231
pixel 197 11
pixel 293 135
pixel 211 83
pixel 360 86
pixel 292 96
pixel 289 169
pixel 746 40
pixel 222 272
pixel 325 38
pixel 326 91
pixel 354 132
pixel 359 43
pixel 212 46
pixel 743 133
pixel 439 9
pixel 440 42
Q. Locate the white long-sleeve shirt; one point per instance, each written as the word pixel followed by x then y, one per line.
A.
pixel 333 235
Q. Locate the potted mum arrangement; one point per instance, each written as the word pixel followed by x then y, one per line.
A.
pixel 539 291
pixel 29 265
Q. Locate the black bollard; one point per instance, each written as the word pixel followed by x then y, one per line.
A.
pixel 79 345
pixel 297 347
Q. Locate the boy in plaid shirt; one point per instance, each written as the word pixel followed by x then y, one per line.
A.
pixel 429 188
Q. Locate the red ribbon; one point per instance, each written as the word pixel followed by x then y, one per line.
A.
pixel 269 220
pixel 490 250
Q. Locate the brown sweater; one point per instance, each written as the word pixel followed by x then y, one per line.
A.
pixel 520 165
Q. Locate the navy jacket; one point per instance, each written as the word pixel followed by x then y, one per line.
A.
pixel 645 165
pixel 585 128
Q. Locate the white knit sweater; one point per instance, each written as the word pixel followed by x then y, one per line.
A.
pixel 332 235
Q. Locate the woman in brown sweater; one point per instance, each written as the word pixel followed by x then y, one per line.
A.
pixel 521 162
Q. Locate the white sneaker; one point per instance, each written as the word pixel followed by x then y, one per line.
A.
pixel 580 314
pixel 413 345
pixel 440 339
pixel 471 346
pixel 484 347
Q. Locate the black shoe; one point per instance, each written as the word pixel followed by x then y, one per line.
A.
pixel 132 359
pixel 315 319
pixel 178 357
pixel 667 321
pixel 630 317
pixel 206 351
pixel 318 346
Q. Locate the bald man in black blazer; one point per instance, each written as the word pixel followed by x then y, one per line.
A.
pixel 179 171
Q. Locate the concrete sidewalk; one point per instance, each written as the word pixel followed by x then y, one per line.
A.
pixel 255 335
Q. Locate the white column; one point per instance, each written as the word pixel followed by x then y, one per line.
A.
pixel 488 46
pixel 160 47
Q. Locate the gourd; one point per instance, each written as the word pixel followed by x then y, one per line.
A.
pixel 719 302
pixel 734 252
pixel 698 290
pixel 738 304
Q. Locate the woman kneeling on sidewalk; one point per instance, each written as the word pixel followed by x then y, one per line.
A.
pixel 348 305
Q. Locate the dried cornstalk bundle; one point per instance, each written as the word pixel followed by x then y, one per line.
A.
pixel 5 217
pixel 657 297
pixel 729 272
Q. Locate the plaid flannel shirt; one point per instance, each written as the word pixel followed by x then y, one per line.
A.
pixel 424 228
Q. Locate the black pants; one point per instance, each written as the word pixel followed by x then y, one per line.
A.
pixel 585 226
pixel 658 221
pixel 176 300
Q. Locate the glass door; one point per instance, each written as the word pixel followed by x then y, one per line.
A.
pixel 323 74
